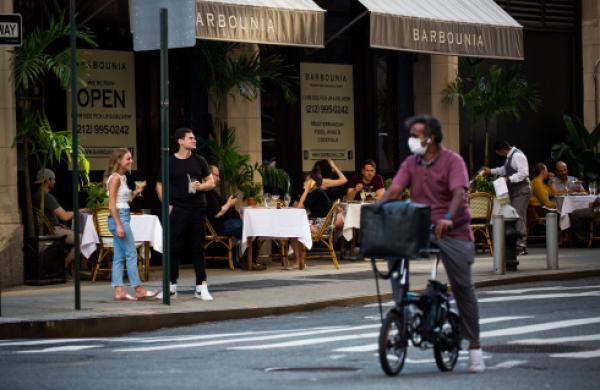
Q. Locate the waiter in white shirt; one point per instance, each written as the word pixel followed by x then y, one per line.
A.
pixel 516 173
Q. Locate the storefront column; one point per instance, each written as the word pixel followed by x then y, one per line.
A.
pixel 244 115
pixel 590 36
pixel 11 230
pixel 432 74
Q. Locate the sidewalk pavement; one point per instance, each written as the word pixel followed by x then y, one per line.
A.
pixel 48 311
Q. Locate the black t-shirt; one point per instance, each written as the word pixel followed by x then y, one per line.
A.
pixel 318 203
pixel 181 171
pixel 214 202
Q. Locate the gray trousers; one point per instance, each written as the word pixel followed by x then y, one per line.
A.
pixel 519 199
pixel 458 256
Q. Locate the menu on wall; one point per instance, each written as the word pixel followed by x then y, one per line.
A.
pixel 327 103
pixel 105 105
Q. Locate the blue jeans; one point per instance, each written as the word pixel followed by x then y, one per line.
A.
pixel 124 251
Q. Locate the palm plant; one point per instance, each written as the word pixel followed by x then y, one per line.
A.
pixel 31 64
pixel 580 149
pixel 486 95
pixel 224 73
pixel 275 180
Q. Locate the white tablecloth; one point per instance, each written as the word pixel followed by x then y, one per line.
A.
pixel 351 220
pixel 144 227
pixel 279 223
pixel 570 203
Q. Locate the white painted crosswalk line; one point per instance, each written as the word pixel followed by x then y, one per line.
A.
pixel 512 298
pixel 527 290
pixel 373 346
pixel 557 340
pixel 66 348
pixel 245 339
pixel 305 342
pixel 540 327
pixel 578 355
pixel 508 364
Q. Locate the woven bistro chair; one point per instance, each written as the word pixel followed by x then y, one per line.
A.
pixel 212 237
pixel 481 213
pixel 594 231
pixel 324 236
pixel 43 224
pixel 103 263
pixel 533 221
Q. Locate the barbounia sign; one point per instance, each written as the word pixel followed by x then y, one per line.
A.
pixel 106 105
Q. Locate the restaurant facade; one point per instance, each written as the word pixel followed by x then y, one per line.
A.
pixel 363 67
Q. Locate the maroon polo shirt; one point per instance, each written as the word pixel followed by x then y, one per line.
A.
pixel 431 183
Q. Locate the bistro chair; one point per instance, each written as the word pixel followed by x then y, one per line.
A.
pixel 594 231
pixel 212 237
pixel 324 236
pixel 43 224
pixel 481 213
pixel 103 262
pixel 534 221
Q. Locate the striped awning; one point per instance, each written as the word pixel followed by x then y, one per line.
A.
pixel 476 28
pixel 279 22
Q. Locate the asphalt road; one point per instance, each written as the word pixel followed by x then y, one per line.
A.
pixel 535 336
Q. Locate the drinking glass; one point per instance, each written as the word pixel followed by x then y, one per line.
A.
pixel 363 195
pixel 267 200
pixel 275 198
pixel 593 188
pixel 140 185
pixel 288 199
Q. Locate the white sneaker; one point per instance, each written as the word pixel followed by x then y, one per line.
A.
pixel 172 291
pixel 202 292
pixel 476 363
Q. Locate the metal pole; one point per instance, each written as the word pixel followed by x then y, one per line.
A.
pixel 552 241
pixel 74 158
pixel 164 148
pixel 499 245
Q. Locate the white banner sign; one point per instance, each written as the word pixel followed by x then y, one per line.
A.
pixel 327 100
pixel 105 105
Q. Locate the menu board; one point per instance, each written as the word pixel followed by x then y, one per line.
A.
pixel 327 103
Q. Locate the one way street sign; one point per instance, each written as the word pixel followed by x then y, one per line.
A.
pixel 10 30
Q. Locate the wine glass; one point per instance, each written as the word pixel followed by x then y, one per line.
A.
pixel 140 185
pixel 363 196
pixel 267 200
pixel 275 198
pixel 288 199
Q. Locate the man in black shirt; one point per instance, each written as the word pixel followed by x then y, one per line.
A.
pixel 223 216
pixel 190 178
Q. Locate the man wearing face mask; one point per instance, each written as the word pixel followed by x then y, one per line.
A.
pixel 438 177
pixel 516 173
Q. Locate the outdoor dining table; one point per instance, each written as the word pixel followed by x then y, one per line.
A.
pixel 146 228
pixel 274 223
pixel 351 220
pixel 569 203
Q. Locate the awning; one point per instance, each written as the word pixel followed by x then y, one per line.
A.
pixel 476 28
pixel 280 22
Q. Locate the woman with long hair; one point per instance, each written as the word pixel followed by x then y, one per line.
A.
pixel 119 196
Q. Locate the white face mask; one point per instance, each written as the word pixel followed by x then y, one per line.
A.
pixel 415 146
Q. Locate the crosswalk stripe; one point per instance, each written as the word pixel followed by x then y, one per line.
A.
pixel 373 346
pixel 578 355
pixel 305 342
pixel 244 339
pixel 526 290
pixel 539 296
pixel 556 340
pixel 540 327
pixel 66 348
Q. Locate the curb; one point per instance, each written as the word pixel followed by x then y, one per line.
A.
pixel 119 325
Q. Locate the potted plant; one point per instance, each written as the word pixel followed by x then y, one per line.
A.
pixel 252 193
pixel 96 196
pixel 274 180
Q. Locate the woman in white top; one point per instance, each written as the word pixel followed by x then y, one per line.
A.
pixel 119 196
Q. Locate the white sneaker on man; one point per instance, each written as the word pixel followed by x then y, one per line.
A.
pixel 201 292
pixel 172 291
pixel 476 363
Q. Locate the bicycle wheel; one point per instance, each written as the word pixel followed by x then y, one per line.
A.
pixel 392 343
pixel 447 345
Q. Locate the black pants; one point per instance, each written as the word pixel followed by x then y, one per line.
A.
pixel 188 233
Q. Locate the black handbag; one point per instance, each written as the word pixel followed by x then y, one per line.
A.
pixel 398 228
